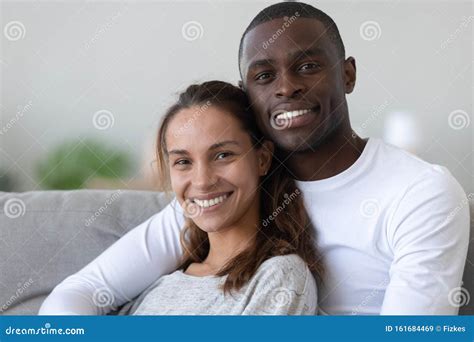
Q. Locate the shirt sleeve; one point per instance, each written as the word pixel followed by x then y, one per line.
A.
pixel 429 236
pixel 283 285
pixel 122 271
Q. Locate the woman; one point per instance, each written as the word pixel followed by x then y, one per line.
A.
pixel 248 244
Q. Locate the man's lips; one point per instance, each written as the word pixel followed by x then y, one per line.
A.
pixel 292 117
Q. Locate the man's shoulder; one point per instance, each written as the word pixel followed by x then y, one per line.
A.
pixel 399 159
pixel 406 167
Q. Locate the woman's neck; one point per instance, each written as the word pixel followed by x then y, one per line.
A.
pixel 227 243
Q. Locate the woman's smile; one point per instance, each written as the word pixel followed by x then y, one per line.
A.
pixel 211 202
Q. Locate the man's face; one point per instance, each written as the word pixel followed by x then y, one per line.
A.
pixel 296 81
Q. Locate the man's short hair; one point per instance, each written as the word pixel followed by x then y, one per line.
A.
pixel 289 9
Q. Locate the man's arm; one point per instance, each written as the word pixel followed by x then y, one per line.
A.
pixel 123 270
pixel 429 236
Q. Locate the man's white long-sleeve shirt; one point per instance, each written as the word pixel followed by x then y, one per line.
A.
pixel 393 231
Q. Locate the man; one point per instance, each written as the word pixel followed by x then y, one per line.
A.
pixel 391 238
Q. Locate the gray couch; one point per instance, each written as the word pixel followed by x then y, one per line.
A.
pixel 46 236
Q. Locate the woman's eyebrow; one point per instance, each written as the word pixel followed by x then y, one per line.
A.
pixel 223 143
pixel 179 152
pixel 213 147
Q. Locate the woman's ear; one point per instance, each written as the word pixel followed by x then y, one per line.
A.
pixel 265 157
pixel 241 85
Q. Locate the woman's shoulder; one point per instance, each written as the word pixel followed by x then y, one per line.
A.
pixel 288 262
pixel 287 270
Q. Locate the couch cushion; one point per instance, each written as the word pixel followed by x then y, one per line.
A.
pixel 46 236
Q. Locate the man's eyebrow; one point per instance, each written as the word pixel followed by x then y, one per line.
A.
pixel 261 62
pixel 308 52
pixel 298 54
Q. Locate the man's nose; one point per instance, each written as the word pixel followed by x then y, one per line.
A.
pixel 288 87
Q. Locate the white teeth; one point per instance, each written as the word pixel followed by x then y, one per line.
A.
pixel 292 114
pixel 211 202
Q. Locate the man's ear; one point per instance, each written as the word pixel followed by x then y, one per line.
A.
pixel 349 74
pixel 265 158
pixel 241 85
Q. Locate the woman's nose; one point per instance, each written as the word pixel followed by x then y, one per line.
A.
pixel 204 177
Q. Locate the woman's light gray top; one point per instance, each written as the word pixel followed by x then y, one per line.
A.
pixel 282 285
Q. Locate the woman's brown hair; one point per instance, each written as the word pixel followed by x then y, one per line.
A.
pixel 285 226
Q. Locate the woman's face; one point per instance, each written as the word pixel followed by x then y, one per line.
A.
pixel 214 168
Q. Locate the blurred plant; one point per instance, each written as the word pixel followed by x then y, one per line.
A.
pixel 6 181
pixel 72 164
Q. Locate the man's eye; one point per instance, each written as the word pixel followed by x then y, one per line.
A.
pixel 309 66
pixel 262 76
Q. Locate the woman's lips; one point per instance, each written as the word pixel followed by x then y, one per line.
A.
pixel 201 206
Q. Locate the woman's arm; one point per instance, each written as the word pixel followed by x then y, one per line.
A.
pixel 283 285
pixel 123 270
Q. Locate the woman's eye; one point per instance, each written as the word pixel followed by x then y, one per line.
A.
pixel 223 155
pixel 181 162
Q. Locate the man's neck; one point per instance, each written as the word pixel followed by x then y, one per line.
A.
pixel 335 155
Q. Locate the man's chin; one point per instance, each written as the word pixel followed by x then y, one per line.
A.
pixel 298 144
